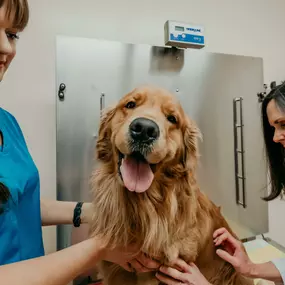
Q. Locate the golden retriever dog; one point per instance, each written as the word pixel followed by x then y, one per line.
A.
pixel 146 190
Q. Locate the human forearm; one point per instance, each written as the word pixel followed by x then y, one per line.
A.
pixel 266 271
pixel 58 212
pixel 58 268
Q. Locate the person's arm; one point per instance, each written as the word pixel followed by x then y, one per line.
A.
pixel 273 271
pixel 58 212
pixel 234 253
pixel 63 266
pixel 280 266
pixel 58 268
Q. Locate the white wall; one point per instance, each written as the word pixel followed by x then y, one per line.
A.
pixel 245 27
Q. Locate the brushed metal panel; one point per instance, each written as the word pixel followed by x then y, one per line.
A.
pixel 206 84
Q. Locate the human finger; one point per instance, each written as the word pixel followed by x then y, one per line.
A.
pixel 148 262
pixel 221 239
pixel 167 280
pixel 193 265
pixel 181 265
pixel 137 266
pixel 227 237
pixel 227 257
pixel 219 232
pixel 172 272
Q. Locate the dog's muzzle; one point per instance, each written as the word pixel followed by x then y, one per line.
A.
pixel 135 171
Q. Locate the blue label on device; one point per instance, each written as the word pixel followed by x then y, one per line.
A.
pixel 188 38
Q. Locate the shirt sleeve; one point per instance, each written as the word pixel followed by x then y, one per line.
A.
pixel 280 265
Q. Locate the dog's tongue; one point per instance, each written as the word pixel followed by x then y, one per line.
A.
pixel 137 175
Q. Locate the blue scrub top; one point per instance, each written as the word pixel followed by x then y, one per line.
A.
pixel 20 223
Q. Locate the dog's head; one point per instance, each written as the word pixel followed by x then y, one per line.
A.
pixel 145 134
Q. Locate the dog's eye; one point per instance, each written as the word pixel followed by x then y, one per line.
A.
pixel 172 119
pixel 131 105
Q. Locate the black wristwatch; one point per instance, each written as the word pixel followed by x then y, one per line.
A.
pixel 77 214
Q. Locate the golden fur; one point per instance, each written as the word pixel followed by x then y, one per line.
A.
pixel 172 218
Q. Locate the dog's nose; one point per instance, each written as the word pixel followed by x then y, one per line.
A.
pixel 144 130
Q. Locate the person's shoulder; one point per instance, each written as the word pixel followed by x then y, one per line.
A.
pixel 9 119
pixel 7 115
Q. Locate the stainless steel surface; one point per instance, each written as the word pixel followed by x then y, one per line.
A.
pixel 239 152
pixel 102 102
pixel 205 83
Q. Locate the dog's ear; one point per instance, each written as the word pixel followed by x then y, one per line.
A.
pixel 104 145
pixel 190 151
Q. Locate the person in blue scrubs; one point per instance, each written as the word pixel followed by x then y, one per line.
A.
pixel 273 117
pixel 23 212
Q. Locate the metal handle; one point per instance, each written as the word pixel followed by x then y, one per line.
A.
pixel 102 106
pixel 239 152
pixel 102 103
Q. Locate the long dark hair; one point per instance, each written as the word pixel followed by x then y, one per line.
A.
pixel 274 151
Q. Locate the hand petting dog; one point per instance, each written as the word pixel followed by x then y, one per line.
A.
pixel 185 274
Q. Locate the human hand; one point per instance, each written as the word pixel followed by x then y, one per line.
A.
pixel 233 252
pixel 181 274
pixel 131 259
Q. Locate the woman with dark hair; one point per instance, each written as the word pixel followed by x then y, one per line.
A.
pixel 273 118
pixel 23 213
